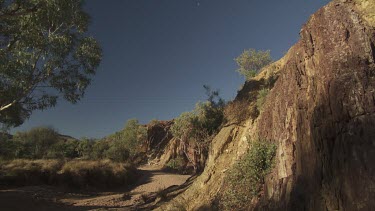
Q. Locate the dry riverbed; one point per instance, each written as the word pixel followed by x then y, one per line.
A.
pixel 152 179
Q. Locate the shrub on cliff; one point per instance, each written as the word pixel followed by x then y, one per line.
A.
pixel 245 179
pixel 261 98
pixel 251 61
pixel 201 124
pixel 206 118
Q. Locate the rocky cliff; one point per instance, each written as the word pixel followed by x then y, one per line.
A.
pixel 320 113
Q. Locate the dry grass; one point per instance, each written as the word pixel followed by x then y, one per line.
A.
pixel 101 174
pixel 74 173
pixel 30 165
pixel 24 172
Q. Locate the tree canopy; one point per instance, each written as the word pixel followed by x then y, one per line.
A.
pixel 45 53
pixel 251 61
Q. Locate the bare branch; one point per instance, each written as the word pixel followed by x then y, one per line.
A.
pixel 7 106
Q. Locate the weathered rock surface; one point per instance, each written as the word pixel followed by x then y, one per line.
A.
pixel 321 114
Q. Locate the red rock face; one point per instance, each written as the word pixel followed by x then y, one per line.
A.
pixel 321 111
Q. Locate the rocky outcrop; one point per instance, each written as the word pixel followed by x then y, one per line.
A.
pixel 320 113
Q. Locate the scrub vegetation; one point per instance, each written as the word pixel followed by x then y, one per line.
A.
pixel 41 155
pixel 244 181
pixel 70 173
pixel 197 128
pixel 251 61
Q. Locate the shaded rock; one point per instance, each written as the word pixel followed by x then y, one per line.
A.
pixel 320 113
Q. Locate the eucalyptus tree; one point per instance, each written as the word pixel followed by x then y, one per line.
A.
pixel 45 54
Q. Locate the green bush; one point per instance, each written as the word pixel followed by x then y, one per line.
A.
pixel 36 142
pixel 245 179
pixel 176 164
pixel 200 125
pixel 84 148
pixel 205 120
pixel 251 61
pixel 124 144
pixel 46 143
pixel 39 143
pixel 99 150
pixel 261 98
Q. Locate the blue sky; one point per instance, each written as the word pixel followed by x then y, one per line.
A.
pixel 158 54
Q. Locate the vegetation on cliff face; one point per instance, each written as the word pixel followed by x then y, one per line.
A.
pixel 196 127
pixel 261 98
pixel 251 61
pixel 244 181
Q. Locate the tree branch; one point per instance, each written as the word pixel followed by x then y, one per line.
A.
pixel 7 106
pixel 29 89
pixel 16 13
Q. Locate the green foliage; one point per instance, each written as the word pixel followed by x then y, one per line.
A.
pixel 245 179
pixel 84 148
pixel 176 163
pixel 124 144
pixel 153 122
pixel 63 149
pixel 205 120
pixel 41 142
pixel 200 125
pixel 118 151
pixel 261 98
pixel 99 150
pixel 251 61
pixel 36 143
pixel 133 135
pixel 44 54
pixel 183 125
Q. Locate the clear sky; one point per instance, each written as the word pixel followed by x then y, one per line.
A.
pixel 158 54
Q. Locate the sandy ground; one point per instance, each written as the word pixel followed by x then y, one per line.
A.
pixel 152 179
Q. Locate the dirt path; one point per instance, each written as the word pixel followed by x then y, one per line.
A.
pixel 152 179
